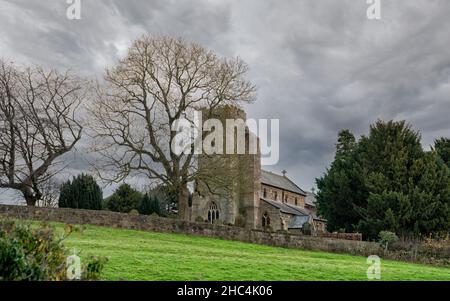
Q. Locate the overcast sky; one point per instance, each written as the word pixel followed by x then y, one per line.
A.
pixel 319 65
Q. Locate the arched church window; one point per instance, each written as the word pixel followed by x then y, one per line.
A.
pixel 213 212
pixel 265 220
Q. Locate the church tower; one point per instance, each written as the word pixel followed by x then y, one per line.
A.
pixel 228 184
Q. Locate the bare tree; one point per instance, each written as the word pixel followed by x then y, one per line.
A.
pixel 37 125
pixel 160 81
pixel 49 193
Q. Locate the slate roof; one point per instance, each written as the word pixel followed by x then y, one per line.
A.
pixel 292 209
pixel 298 221
pixel 310 199
pixel 286 208
pixel 272 179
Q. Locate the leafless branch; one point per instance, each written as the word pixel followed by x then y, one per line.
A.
pixel 161 80
pixel 38 124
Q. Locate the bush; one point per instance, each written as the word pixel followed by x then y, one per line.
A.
pixel 94 267
pixel 28 253
pixel 124 199
pixel 436 247
pixel 387 238
pixel 82 192
pixel 429 250
pixel 134 212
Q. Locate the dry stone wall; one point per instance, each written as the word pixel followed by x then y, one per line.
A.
pixel 167 225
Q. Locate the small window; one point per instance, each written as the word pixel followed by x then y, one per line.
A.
pixel 264 193
pixel 296 202
pixel 275 195
pixel 265 220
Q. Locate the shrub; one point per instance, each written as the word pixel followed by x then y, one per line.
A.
pixel 387 238
pixel 134 212
pixel 124 199
pixel 436 247
pixel 82 192
pixel 28 253
pixel 94 267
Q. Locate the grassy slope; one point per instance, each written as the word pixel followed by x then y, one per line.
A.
pixel 138 255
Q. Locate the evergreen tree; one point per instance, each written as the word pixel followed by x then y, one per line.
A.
pixel 442 147
pixel 150 205
pixel 336 195
pixel 385 182
pixel 346 144
pixel 156 208
pixel 82 192
pixel 124 199
pixel 146 205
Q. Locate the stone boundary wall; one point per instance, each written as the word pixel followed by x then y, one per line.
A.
pixel 167 225
pixel 348 236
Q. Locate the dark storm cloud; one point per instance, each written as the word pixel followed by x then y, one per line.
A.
pixel 319 65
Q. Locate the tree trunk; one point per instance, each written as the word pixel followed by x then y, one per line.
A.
pixel 30 198
pixel 183 205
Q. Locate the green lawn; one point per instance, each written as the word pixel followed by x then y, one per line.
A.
pixel 139 255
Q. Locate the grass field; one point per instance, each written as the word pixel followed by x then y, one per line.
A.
pixel 138 255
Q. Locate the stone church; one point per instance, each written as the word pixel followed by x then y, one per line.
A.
pixel 236 191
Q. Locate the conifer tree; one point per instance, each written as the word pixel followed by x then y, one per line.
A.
pixel 124 199
pixel 386 182
pixel 82 192
pixel 442 147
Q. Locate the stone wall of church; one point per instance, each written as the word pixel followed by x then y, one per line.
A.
pixel 230 181
pixel 320 226
pixel 279 221
pixel 250 188
pixel 294 199
pixel 281 195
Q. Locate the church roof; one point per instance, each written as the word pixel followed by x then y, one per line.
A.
pixel 283 182
pixel 310 199
pixel 292 209
pixel 298 221
pixel 286 208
